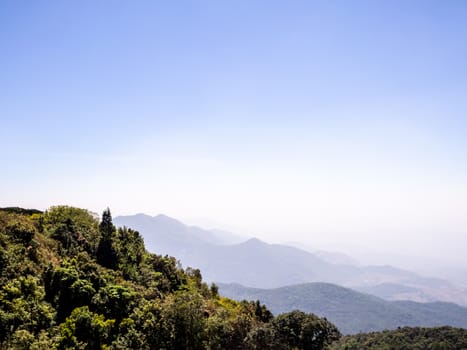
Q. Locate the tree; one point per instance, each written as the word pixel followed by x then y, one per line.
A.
pixel 114 301
pixel 22 231
pixel 85 329
pixel 106 253
pixel 305 331
pixel 81 223
pixel 185 319
pixel 264 337
pixel 131 251
pixel 64 288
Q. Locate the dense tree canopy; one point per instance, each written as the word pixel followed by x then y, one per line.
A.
pixel 416 338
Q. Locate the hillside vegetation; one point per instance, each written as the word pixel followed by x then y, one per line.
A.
pixel 351 311
pixel 71 281
pixel 441 338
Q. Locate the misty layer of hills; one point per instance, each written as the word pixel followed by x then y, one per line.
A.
pixel 225 258
pixel 280 275
pixel 351 311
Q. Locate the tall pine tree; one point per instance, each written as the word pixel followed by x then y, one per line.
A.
pixel 106 252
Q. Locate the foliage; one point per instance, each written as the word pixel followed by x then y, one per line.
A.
pixel 81 225
pixel 437 338
pixel 18 210
pixel 68 281
pixel 106 252
pixel 305 331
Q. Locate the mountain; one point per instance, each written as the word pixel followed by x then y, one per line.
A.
pixel 349 310
pixel 255 263
pixel 252 262
pixel 163 233
pixel 328 256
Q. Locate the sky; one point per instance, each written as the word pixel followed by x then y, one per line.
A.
pixel 339 124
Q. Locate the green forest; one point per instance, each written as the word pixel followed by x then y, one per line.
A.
pixel 407 338
pixel 70 279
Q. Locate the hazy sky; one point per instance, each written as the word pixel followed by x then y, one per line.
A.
pixel 330 122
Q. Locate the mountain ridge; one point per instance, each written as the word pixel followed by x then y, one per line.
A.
pixel 255 263
pixel 351 311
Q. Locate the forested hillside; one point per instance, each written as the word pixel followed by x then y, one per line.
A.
pixel 71 281
pixel 441 338
pixel 352 312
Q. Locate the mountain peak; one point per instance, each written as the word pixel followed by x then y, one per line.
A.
pixel 167 220
pixel 140 215
pixel 254 241
pixel 162 216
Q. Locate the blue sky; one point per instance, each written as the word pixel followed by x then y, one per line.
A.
pixel 330 122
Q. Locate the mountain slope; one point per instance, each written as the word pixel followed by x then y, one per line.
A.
pixel 163 233
pixel 274 265
pixel 258 264
pixel 351 311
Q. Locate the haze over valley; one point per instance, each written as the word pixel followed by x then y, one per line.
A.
pixel 228 258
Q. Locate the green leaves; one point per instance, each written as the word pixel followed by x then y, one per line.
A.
pixel 21 231
pixel 305 331
pixel 22 307
pixel 85 328
pixel 439 338
pixel 80 223
pixel 114 301
pixel 130 252
pixel 106 251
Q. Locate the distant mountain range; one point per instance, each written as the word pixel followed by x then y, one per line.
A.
pixel 162 232
pixel 351 311
pixel 223 258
